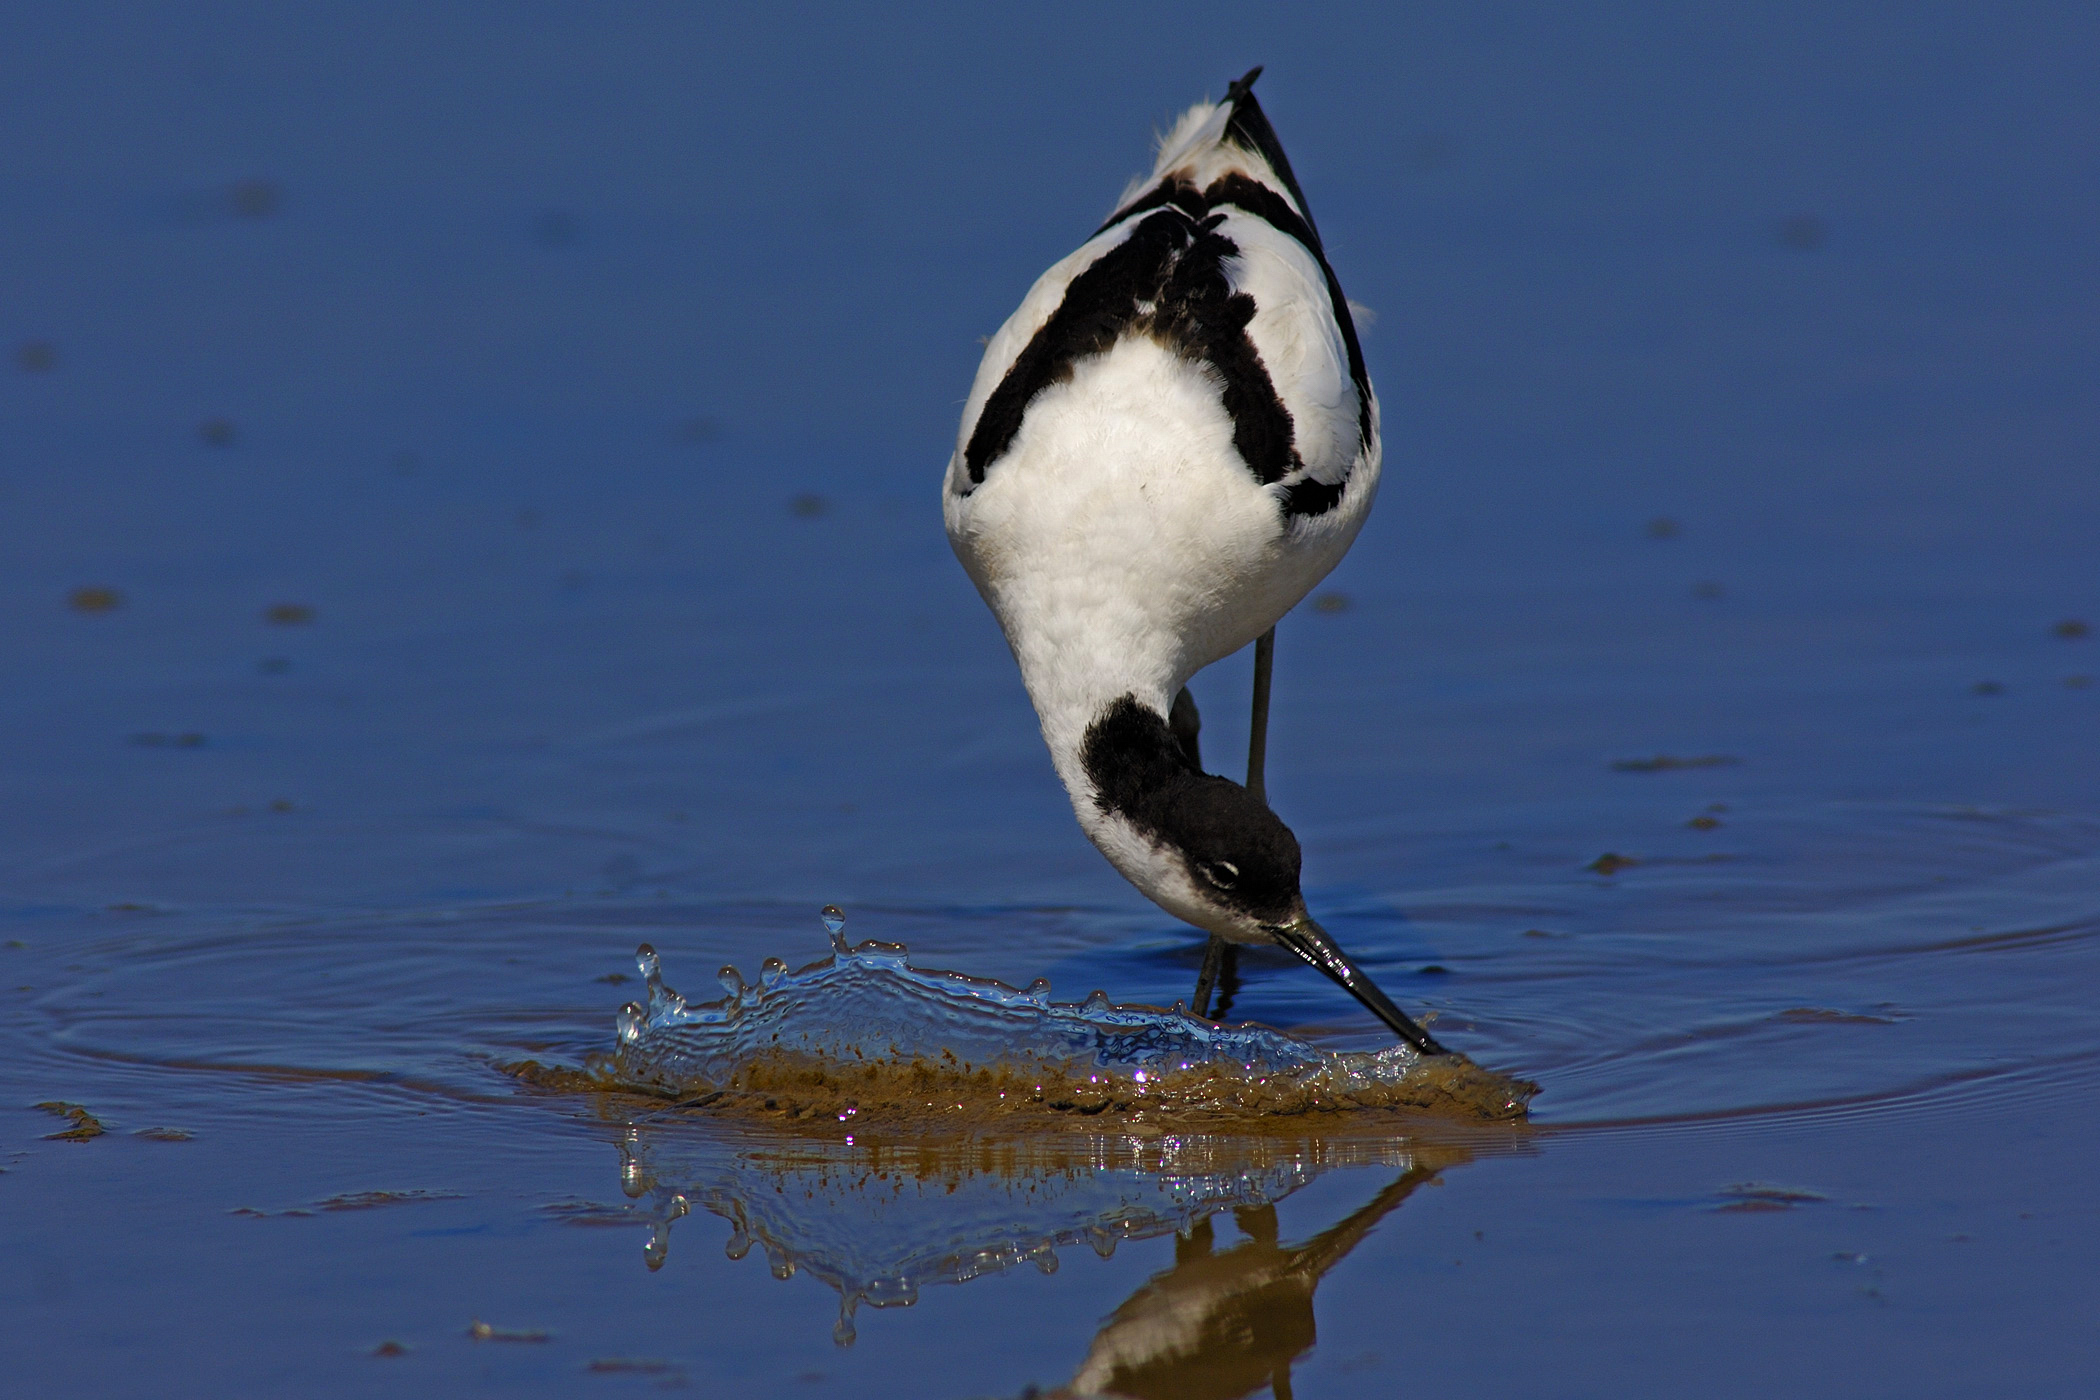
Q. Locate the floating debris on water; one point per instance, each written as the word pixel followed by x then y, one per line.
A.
pixel 862 1033
pixel 1823 1015
pixel 85 1124
pixel 1751 1197
pixel 372 1200
pixel 591 1213
pixel 94 599
pixel 1669 763
pixel 633 1366
pixel 349 1200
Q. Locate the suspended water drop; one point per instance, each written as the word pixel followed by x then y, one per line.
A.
pixel 632 1019
pixel 843 1331
pixel 835 924
pixel 770 972
pixel 652 966
pixel 634 1182
pixel 659 1247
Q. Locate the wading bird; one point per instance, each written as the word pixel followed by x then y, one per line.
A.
pixel 1168 444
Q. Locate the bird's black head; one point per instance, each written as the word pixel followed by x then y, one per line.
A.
pixel 1207 849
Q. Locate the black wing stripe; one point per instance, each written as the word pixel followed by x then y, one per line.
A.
pixel 1249 128
pixel 1097 305
pixel 1168 277
pixel 1179 193
pixel 1208 321
pixel 1265 204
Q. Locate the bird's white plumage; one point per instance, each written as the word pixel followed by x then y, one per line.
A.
pixel 1121 539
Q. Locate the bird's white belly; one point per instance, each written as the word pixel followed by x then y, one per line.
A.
pixel 1122 542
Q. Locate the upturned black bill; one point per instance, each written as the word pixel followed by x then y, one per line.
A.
pixel 1310 942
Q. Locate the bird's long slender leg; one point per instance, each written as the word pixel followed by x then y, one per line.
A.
pixel 1185 723
pixel 1258 731
pixel 1221 960
pixel 1228 979
pixel 1207 979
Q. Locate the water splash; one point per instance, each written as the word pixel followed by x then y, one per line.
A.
pixel 864 1031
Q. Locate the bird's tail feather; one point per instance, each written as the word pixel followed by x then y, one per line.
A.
pixel 1212 138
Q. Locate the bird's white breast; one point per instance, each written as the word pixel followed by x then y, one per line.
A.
pixel 1122 543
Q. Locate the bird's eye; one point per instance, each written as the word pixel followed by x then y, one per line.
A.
pixel 1222 873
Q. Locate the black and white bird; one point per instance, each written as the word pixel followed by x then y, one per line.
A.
pixel 1168 444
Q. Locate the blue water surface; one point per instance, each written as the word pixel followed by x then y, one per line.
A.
pixel 468 506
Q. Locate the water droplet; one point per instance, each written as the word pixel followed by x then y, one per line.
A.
pixel 645 958
pixel 634 1181
pixel 732 981
pixel 843 1332
pixel 631 1021
pixel 1039 991
pixel 770 972
pixel 1097 1003
pixel 834 923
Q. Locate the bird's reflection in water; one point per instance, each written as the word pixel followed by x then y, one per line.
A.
pixel 1225 1323
pixel 879 1220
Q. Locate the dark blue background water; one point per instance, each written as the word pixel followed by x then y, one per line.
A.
pixel 588 374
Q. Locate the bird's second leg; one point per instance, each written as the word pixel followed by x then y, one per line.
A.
pixel 1258 730
pixel 1221 959
pixel 1185 723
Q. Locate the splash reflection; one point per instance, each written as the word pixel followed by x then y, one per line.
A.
pixel 879 1222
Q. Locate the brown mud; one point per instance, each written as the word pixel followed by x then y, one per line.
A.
pixel 934 1095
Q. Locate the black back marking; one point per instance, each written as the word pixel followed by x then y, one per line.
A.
pixel 1173 263
pixel 1168 278
pixel 1309 496
pixel 1097 306
pixel 1200 313
pixel 1253 197
pixel 1141 773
